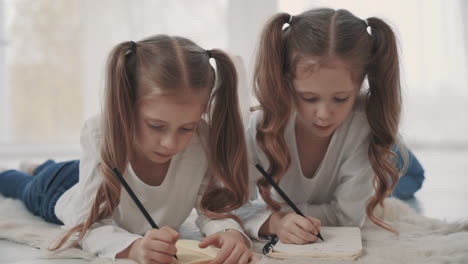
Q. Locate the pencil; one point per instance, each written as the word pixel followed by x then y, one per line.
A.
pixel 282 194
pixel 136 200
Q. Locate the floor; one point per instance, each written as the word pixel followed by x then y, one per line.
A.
pixel 443 196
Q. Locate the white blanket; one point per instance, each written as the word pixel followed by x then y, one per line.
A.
pixel 421 239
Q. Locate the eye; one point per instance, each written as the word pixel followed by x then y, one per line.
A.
pixel 340 100
pixel 310 99
pixel 156 127
pixel 185 129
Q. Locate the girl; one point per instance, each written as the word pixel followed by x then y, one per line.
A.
pixel 152 129
pixel 321 134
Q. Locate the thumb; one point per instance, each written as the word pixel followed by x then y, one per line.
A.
pixel 210 240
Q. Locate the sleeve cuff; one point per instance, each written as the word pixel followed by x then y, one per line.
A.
pixel 246 238
pixel 215 226
pixel 222 225
pixel 254 223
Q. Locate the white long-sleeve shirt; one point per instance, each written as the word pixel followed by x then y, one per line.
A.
pixel 168 204
pixel 343 183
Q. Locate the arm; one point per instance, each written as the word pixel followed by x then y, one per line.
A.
pixel 225 234
pixel 104 239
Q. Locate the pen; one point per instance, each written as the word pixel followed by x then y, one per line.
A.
pixel 274 238
pixel 136 200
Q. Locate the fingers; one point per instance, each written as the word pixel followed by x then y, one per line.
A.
pixel 298 230
pixel 253 259
pixel 159 246
pixel 172 232
pixel 210 240
pixel 245 258
pixel 292 238
pixel 232 249
pixel 165 234
pixel 306 225
pixel 317 223
pixel 158 257
pixel 303 235
pixel 236 253
pixel 223 254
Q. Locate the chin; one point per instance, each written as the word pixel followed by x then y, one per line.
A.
pixel 323 134
pixel 160 160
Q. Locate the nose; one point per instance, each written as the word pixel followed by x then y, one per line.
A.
pixel 169 142
pixel 323 112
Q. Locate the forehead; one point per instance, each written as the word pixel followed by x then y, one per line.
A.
pixel 175 109
pixel 323 79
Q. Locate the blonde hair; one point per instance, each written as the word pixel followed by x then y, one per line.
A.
pixel 172 64
pixel 326 35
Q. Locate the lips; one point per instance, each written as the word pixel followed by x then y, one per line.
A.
pixel 323 127
pixel 162 155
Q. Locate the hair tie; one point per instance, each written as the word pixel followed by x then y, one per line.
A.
pixel 208 52
pixel 132 48
pixel 368 28
pixel 290 19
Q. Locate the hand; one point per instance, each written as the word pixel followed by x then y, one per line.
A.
pixel 157 246
pixel 234 247
pixel 292 228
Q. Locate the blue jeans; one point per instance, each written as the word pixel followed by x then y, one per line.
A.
pixel 40 192
pixel 412 180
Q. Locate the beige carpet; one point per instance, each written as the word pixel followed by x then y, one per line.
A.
pixel 421 239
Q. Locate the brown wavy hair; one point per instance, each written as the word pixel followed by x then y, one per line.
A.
pixel 324 35
pixel 173 64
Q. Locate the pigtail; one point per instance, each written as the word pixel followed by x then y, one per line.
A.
pixel 383 113
pixel 273 93
pixel 227 149
pixel 117 136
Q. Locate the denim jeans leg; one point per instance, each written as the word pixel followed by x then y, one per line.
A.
pixel 411 181
pixel 13 182
pixel 67 177
pixel 39 193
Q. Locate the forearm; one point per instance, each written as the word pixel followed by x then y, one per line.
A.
pixel 129 252
pixel 270 226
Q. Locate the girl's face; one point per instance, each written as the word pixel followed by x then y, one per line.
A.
pixel 166 123
pixel 325 97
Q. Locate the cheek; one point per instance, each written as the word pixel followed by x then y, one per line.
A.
pixel 343 111
pixel 184 140
pixel 147 137
pixel 306 110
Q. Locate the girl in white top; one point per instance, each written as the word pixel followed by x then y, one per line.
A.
pixel 320 133
pixel 172 125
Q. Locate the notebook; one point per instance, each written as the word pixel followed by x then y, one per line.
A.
pixel 342 243
pixel 188 252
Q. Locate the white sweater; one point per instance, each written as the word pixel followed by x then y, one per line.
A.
pixel 168 204
pixel 338 192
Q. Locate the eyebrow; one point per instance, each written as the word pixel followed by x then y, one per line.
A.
pixel 312 93
pixel 162 121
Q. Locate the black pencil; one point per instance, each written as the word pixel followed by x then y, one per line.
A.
pixel 136 200
pixel 282 194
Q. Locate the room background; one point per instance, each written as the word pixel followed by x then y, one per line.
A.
pixel 52 58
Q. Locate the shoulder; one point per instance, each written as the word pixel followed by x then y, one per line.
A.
pixel 91 132
pixel 92 125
